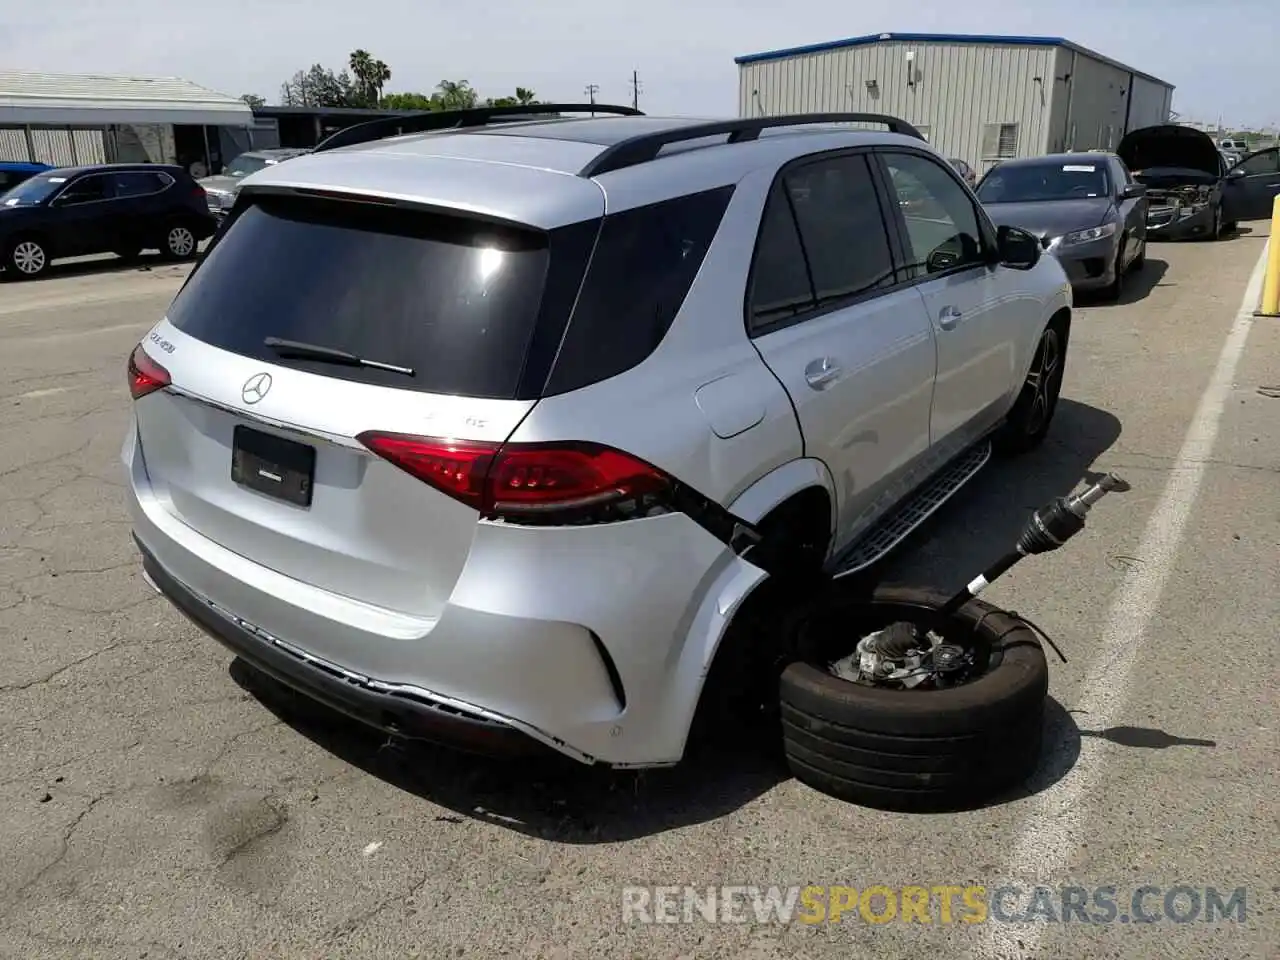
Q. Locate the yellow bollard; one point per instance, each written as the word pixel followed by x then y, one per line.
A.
pixel 1271 284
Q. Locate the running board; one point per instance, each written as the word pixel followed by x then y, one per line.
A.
pixel 895 528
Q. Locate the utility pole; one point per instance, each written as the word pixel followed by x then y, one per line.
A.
pixel 591 91
pixel 636 87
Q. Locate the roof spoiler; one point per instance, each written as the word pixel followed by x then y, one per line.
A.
pixel 431 120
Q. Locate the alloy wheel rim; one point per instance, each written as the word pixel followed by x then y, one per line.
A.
pixel 29 257
pixel 181 241
pixel 1040 380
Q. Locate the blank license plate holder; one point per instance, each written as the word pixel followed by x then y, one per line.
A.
pixel 271 465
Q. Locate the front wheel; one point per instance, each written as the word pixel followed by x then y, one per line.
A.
pixel 179 242
pixel 26 259
pixel 1028 422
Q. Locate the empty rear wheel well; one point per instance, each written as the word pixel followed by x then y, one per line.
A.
pixel 795 534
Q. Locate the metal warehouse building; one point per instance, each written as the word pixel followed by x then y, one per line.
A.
pixel 979 98
pixel 65 119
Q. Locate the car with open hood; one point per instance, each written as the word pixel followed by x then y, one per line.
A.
pixel 1085 208
pixel 1184 173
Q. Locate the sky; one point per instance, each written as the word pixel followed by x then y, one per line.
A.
pixel 1220 56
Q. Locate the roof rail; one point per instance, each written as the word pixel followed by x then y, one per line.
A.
pixel 430 120
pixel 647 146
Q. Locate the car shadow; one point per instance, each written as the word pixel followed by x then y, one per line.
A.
pixel 553 798
pixel 87 267
pixel 1138 284
pixel 548 797
pixel 984 521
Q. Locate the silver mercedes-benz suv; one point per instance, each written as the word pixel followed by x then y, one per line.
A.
pixel 488 431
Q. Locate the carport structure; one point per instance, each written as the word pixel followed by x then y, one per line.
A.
pixel 66 119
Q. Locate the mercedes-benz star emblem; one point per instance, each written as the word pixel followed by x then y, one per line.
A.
pixel 255 388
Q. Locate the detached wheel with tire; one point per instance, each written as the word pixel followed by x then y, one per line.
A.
pixel 179 242
pixel 26 258
pixel 912 750
pixel 1028 422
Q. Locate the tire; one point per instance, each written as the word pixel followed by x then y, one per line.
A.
pixel 26 258
pixel 1140 260
pixel 1028 422
pixel 179 242
pixel 913 750
pixel 1216 233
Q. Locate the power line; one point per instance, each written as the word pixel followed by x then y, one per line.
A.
pixel 591 90
pixel 636 87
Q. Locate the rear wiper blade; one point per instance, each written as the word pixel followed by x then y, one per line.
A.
pixel 312 351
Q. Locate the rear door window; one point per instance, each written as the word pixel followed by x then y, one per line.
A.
pixel 842 228
pixel 454 299
pixel 140 183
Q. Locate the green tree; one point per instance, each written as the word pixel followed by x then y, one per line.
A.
pixel 319 87
pixel 456 95
pixel 408 101
pixel 525 96
pixel 253 100
pixel 370 77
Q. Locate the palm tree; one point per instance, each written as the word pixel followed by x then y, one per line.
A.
pixel 456 95
pixel 371 75
pixel 525 96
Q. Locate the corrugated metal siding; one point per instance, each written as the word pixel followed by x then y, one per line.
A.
pixel 53 147
pixel 1150 104
pixel 58 146
pixel 13 145
pixel 90 146
pixel 1099 97
pixel 958 90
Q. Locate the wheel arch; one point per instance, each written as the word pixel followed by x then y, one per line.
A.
pixel 798 492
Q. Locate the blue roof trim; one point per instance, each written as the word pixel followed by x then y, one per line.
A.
pixel 871 38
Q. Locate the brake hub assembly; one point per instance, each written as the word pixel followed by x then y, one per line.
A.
pixel 926 655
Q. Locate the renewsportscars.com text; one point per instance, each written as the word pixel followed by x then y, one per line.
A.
pixel 942 904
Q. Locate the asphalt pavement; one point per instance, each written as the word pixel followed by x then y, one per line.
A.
pixel 160 801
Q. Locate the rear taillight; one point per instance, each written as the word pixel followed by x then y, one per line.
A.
pixel 145 375
pixel 529 483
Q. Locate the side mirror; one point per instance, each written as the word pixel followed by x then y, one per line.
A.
pixel 1132 191
pixel 1018 249
pixel 1236 173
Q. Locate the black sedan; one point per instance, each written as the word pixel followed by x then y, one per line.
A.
pixel 1084 207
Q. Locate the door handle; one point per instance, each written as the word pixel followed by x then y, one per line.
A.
pixel 819 373
pixel 948 317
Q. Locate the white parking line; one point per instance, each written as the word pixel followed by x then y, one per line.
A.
pixel 1056 817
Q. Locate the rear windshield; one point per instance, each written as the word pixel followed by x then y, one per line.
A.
pixel 454 300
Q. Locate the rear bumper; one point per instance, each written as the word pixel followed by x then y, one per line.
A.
pixel 387 707
pixel 593 643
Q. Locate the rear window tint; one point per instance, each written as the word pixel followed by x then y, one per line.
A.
pixel 456 300
pixel 644 263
